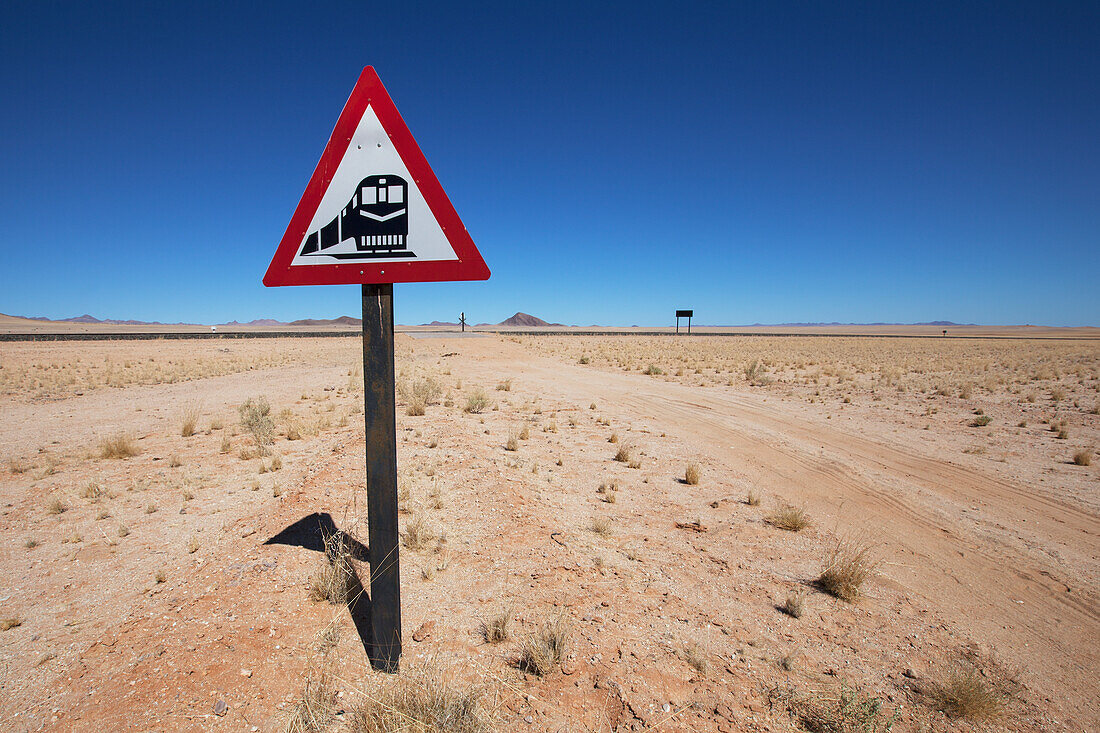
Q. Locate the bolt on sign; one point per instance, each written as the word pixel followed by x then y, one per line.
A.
pixel 374 214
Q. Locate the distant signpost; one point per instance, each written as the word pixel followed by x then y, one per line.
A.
pixel 374 214
pixel 684 314
pixel 462 321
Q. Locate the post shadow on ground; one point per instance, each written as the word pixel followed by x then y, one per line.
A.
pixel 312 532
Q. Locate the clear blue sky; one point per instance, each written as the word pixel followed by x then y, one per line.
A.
pixel 759 162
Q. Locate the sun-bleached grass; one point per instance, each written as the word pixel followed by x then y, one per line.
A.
pixel 847 565
pixel 1082 458
pixel 790 518
pixel 255 416
pixel 419 534
pixel 692 474
pixel 423 698
pixel 477 402
pixel 119 445
pixel 190 421
pixel 964 693
pixel 333 577
pixel 544 650
pixel 498 627
pixel 601 526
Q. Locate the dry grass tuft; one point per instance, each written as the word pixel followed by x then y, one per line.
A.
pixel 418 533
pixel 316 709
pixel 601 526
pixel 498 627
pixel 190 420
pixel 421 700
pixel 692 474
pixel 695 655
pixel 752 498
pixel 966 694
pixel 790 518
pixel 544 650
pixel 57 505
pixel 847 566
pixel 119 445
pixel 512 444
pixel 793 606
pixel 1082 458
pixel 255 414
pixel 332 581
pixel 477 402
pixel 625 453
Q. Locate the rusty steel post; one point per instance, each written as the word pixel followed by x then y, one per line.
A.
pixel 381 432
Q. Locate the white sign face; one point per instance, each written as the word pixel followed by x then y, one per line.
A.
pixel 373 211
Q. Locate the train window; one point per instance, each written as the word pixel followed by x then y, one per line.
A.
pixel 368 195
pixel 397 196
pixel 381 194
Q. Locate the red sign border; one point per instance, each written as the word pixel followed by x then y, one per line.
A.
pixel 469 265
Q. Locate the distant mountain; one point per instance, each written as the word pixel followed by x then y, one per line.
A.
pixel 256 322
pixel 838 323
pixel 439 323
pixel 526 321
pixel 341 321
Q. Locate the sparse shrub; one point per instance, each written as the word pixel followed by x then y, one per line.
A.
pixel 981 421
pixel 227 444
pixel 56 505
pixel 653 371
pixel 92 491
pixel 695 655
pixel 316 709
pixel 498 627
pixel 512 444
pixel 18 465
pixel 160 576
pixel 193 544
pixel 625 453
pixel 174 461
pixel 119 445
pixel 333 579
pixel 584 360
pixel 525 432
pixel 418 533
pixel 505 386
pixel 30 543
pixel 1082 458
pixel 123 530
pixel 755 374
pixel 544 650
pixel 790 518
pixel 421 700
pixel 150 508
pixel 601 526
pixel 752 498
pixel 847 566
pixel 255 414
pixel 793 606
pixel 418 394
pixel 691 474
pixel 845 711
pixel 190 420
pixel 634 463
pixel 965 694
pixel 477 402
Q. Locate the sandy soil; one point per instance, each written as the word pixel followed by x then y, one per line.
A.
pixel 988 558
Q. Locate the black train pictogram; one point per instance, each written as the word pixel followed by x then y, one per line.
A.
pixel 376 217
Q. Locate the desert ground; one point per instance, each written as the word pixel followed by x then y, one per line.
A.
pixel 600 533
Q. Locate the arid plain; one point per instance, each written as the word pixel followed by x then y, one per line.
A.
pixel 601 532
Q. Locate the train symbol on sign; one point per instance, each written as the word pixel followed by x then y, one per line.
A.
pixel 376 217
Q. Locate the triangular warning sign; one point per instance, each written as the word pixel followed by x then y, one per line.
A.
pixel 373 211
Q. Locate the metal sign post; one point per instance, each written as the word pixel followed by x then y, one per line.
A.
pixel 684 314
pixel 379 417
pixel 462 320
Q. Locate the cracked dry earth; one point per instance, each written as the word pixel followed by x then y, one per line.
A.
pixel 176 597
